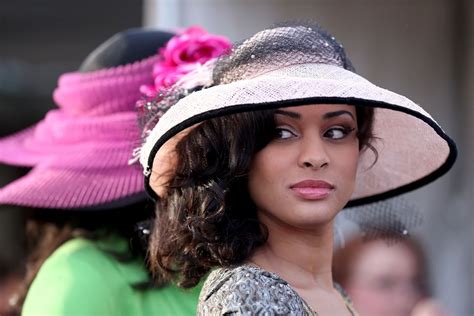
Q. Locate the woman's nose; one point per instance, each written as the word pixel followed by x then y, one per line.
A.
pixel 313 153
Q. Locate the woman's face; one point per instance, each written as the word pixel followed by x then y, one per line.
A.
pixel 306 174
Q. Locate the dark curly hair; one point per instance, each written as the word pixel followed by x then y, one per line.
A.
pixel 207 218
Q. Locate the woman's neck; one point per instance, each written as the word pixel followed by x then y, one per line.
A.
pixel 302 257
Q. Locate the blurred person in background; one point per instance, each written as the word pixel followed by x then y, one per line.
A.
pixel 385 276
pixel 86 244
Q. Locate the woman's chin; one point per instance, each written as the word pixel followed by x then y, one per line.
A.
pixel 312 219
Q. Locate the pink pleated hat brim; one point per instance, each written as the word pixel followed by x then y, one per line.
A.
pixel 413 149
pixel 80 152
pixel 74 189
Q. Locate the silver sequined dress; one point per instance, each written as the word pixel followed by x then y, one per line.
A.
pixel 250 290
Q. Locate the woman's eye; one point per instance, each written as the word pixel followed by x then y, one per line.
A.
pixel 338 132
pixel 283 133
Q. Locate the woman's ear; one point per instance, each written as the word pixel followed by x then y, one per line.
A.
pixel 165 163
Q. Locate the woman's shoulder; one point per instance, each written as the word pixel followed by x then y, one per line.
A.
pixel 248 290
pixel 79 255
pixel 78 271
pixel 77 247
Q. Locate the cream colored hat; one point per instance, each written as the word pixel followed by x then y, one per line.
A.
pixel 292 65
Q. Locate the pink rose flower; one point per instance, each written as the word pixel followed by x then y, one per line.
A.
pixel 194 45
pixel 182 54
pixel 166 76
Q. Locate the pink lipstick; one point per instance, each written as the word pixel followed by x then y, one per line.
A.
pixel 312 189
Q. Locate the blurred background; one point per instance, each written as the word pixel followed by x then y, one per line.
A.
pixel 423 49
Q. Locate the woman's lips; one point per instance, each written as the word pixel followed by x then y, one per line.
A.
pixel 312 189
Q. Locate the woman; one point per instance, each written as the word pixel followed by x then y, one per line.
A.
pixel 87 253
pixel 383 277
pixel 259 163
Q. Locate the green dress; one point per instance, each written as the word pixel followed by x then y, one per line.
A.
pixel 82 278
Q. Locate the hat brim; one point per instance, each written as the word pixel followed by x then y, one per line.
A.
pixel 14 151
pixel 413 150
pixel 78 163
pixel 56 188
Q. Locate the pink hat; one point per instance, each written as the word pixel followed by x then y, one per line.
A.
pixel 80 152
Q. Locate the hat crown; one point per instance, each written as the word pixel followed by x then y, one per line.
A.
pixel 277 47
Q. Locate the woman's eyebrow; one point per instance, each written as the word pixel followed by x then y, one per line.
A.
pixel 288 113
pixel 337 113
pixel 326 116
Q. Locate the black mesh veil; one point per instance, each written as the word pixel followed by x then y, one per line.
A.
pixel 279 46
pixel 389 219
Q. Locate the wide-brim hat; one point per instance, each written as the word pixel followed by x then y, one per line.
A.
pixel 80 151
pixel 412 148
